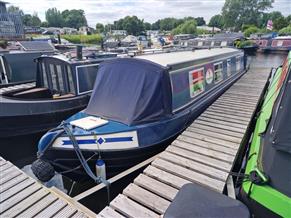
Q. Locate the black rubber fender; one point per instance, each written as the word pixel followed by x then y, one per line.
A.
pixel 43 170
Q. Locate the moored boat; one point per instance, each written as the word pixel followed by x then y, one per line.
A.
pixel 62 88
pixel 138 106
pixel 266 189
pixel 280 43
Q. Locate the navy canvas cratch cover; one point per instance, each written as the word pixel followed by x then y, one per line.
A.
pixel 131 91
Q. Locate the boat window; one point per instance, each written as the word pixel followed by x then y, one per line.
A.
pixel 200 43
pixel 280 43
pixel 86 75
pixel 228 63
pixel 44 76
pixel 238 63
pixel 3 76
pixel 71 82
pixel 196 82
pixel 218 72
pixel 212 43
pixel 54 77
pixel 223 43
pixel 60 78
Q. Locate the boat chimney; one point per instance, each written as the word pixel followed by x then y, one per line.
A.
pixel 59 39
pixel 79 52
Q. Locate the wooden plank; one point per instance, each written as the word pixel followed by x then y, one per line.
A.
pixel 5 166
pixel 130 208
pixel 108 212
pixel 39 206
pixel 146 198
pixel 239 99
pixel 195 166
pixel 10 174
pixel 80 214
pixel 229 108
pixel 200 158
pixel 220 126
pixel 200 150
pixel 12 182
pixel 211 139
pixel 236 105
pixel 165 177
pixel 207 145
pixel 18 197
pixel 226 116
pixel 226 123
pixel 66 212
pixel 203 132
pixel 156 187
pixel 189 174
pixel 16 189
pixel 230 187
pixel 51 210
pixel 26 203
pixel 216 130
pixel 225 112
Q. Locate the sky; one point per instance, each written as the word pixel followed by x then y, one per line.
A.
pixel 106 11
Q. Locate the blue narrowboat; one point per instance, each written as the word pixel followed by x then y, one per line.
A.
pixel 280 43
pixel 138 106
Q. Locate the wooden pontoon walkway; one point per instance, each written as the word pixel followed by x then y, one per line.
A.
pixel 204 153
pixel 22 196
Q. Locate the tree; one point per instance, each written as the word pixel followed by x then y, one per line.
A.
pixel 54 18
pixel 200 21
pixel 99 28
pixel 285 31
pixel 250 30
pixel 35 21
pixel 14 9
pixel 156 25
pixel 147 26
pixel 169 23
pixel 188 27
pixel 280 23
pixel 235 13
pixel 132 24
pixel 26 19
pixel 216 21
pixel 264 17
pixel 44 24
pixel 74 18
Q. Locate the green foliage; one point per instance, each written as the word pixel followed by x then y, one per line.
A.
pixel 216 21
pixel 242 44
pixel 29 20
pixel 250 30
pixel 202 31
pixel 235 13
pixel 54 18
pixel 132 24
pixel 84 39
pixel 188 27
pixel 44 24
pixel 74 18
pixel 280 23
pixel 200 21
pixel 285 31
pixel 147 26
pixel 14 9
pixel 99 28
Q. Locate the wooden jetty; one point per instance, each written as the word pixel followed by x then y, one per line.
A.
pixel 22 196
pixel 204 153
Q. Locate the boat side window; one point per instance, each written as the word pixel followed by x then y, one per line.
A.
pixel 70 78
pixel 280 43
pixel 60 78
pixel 54 77
pixel 44 76
pixel 86 75
pixel 228 68
pixel 200 43
pixel 218 72
pixel 238 64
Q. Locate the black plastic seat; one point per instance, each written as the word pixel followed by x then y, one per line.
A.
pixel 194 200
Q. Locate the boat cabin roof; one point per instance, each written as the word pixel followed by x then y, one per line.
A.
pixel 169 59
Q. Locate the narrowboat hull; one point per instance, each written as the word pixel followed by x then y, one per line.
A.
pixel 29 117
pixel 66 162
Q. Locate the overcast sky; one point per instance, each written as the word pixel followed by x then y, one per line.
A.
pixel 106 11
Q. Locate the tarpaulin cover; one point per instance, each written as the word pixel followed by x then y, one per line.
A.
pixel 131 91
pixel 276 143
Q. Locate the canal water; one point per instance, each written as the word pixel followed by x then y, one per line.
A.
pixel 21 151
